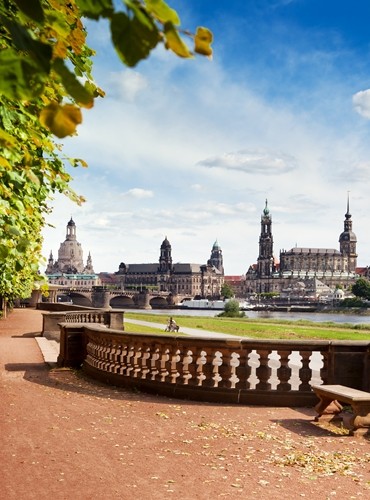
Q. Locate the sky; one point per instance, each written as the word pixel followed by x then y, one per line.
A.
pixel 191 149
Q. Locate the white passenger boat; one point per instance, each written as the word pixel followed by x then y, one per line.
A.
pixel 211 304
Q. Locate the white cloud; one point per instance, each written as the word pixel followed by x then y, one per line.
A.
pixel 253 162
pixel 138 193
pixel 127 84
pixel 361 103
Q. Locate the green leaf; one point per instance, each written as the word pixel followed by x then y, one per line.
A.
pixel 163 12
pixel 174 41
pixel 94 9
pixel 72 85
pixel 4 251
pixel 40 52
pixel 22 245
pixel 13 231
pixel 32 9
pixel 20 77
pixel 133 38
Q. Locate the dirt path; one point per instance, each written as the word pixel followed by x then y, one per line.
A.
pixel 66 437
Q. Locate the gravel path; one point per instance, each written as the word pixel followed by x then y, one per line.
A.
pixel 183 329
pixel 65 437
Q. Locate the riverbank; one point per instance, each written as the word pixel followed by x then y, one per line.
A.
pixel 261 328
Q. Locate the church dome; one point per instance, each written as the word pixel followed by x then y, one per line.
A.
pixel 166 243
pixel 348 236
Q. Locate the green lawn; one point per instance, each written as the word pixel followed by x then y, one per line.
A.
pixel 132 328
pixel 261 328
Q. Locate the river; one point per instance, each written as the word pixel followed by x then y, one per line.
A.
pixel 290 316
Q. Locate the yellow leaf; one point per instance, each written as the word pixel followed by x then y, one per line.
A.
pixel 174 41
pixel 61 120
pixel 4 162
pixel 202 40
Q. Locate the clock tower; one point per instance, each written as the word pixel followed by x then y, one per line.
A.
pixel 348 241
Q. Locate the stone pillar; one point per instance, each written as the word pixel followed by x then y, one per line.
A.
pixel 100 298
pixel 116 319
pixel 35 298
pixel 143 300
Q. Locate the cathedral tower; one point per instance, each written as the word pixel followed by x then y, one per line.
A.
pixel 348 241
pixel 165 258
pixel 265 261
pixel 216 259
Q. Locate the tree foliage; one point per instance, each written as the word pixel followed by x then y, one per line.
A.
pixel 227 291
pixel 361 288
pixel 45 80
pixel 232 310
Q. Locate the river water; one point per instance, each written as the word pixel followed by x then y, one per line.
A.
pixel 290 316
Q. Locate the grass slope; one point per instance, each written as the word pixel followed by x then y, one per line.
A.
pixel 261 328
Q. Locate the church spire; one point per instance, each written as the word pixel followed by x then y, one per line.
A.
pixel 165 258
pixel 348 240
pixel 216 259
pixel 265 261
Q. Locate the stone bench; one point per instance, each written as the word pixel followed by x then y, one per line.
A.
pixel 331 397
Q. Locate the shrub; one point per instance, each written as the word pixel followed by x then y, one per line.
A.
pixel 232 310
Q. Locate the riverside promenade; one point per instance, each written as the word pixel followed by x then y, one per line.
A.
pixel 63 436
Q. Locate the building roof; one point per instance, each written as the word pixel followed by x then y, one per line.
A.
pixel 304 250
pixel 186 268
pixel 142 268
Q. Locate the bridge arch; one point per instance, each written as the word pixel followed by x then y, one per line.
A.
pixel 158 302
pixel 80 299
pixel 122 301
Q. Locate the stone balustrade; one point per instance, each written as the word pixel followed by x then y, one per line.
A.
pixel 264 372
pixel 112 318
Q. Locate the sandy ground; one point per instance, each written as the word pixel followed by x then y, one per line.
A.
pixel 64 436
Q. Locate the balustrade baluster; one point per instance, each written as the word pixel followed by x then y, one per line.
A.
pixel 305 373
pixel 186 368
pixel 284 371
pixel 263 371
pixel 217 363
pixel 117 354
pixel 324 370
pixel 174 362
pixel 122 360
pixel 243 370
pixel 163 361
pixel 154 356
pixel 204 369
pixel 225 370
pixel 135 362
pixel 234 363
pixel 106 355
pixel 99 354
pixel 145 360
pixel 130 361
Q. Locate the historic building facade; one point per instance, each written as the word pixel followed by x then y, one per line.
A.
pixel 69 269
pixel 193 280
pixel 300 268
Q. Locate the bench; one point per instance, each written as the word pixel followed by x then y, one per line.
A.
pixel 331 397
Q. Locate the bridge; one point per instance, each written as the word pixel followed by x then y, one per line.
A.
pixel 101 297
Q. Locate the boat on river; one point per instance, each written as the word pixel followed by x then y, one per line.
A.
pixel 207 304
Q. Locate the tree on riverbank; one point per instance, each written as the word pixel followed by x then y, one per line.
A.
pixel 361 288
pixel 45 82
pixel 232 310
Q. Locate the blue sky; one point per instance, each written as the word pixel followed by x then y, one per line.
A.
pixel 190 149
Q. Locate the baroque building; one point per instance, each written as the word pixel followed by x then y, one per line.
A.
pixel 298 265
pixel 185 279
pixel 69 268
